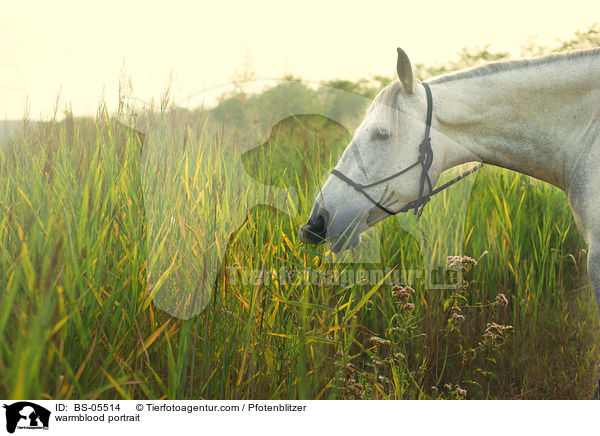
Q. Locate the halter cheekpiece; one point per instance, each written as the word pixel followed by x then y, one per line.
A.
pixel 425 160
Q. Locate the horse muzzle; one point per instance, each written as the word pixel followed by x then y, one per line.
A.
pixel 315 230
pixel 341 235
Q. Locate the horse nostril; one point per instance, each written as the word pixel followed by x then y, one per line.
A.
pixel 315 230
pixel 319 224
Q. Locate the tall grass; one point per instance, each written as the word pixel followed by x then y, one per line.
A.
pixel 85 246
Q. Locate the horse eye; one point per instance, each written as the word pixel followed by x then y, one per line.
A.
pixel 382 135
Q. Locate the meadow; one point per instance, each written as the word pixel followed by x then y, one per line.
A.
pixel 90 251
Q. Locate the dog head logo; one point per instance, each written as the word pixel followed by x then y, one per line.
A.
pixel 202 177
pixel 26 415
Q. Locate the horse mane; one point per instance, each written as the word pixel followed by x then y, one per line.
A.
pixel 504 66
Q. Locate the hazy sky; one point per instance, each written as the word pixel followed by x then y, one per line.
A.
pixel 80 48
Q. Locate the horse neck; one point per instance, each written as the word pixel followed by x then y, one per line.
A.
pixel 536 120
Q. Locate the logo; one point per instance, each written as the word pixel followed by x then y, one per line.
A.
pixel 26 415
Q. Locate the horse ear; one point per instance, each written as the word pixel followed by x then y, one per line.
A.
pixel 404 70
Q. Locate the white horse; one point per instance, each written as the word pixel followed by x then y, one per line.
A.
pixel 538 117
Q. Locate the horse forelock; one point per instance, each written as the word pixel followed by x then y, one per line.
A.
pixel 385 105
pixel 388 96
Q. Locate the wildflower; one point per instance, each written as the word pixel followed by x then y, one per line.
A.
pixel 493 327
pixel 463 263
pixel 501 298
pixel 495 332
pixel 402 293
pixel 354 388
pixel 458 317
pixel 378 341
pixel 456 388
pixel 383 379
pixel 409 306
pixel 399 356
pixel 377 362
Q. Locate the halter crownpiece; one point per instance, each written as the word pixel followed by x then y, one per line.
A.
pixel 425 160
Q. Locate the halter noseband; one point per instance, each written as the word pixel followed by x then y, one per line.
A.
pixel 425 160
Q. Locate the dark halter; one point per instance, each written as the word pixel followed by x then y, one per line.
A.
pixel 425 160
